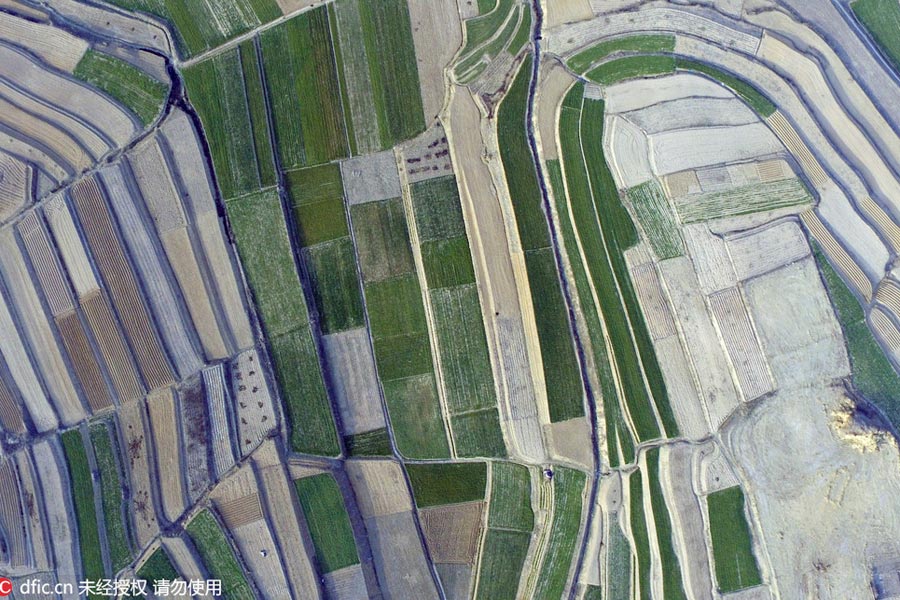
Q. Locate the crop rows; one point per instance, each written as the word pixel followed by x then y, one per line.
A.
pixel 465 361
pixel 83 500
pixel 447 483
pixel 127 84
pixel 630 67
pixel 562 378
pixel 743 200
pixel 329 524
pixel 639 533
pixel 106 455
pixel 657 219
pixel 673 587
pixel 732 542
pixel 637 44
pixel 218 556
pixel 398 327
pixel 882 19
pixel 516 28
pixel 568 489
pixel 510 522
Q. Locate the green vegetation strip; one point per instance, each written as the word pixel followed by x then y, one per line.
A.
pixel 657 219
pixel 317 201
pixel 523 34
pixel 637 44
pixel 329 524
pixel 639 533
pixel 882 19
pixel 750 94
pixel 478 434
pixel 260 231
pixel 562 377
pixel 568 488
pixel 480 29
pixel 215 87
pixel 218 556
pixel 332 273
pixel 473 65
pixel 106 453
pixel 872 373
pixel 369 443
pixel 593 592
pixel 743 200
pixel 157 568
pixel 125 83
pixel 510 521
pixel 83 499
pixel 673 586
pixel 630 67
pixel 387 35
pixel 732 541
pixel 618 562
pixel 259 116
pixel 304 91
pixel 435 484
pixel 618 434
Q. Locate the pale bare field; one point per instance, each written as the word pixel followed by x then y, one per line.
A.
pixel 713 469
pixel 182 142
pixel 635 94
pixel 183 558
pixel 348 583
pixel 571 441
pixel 220 429
pixel 289 528
pixel 18 549
pixel 48 270
pixel 560 12
pixel 15 185
pixel 48 170
pixel 136 31
pixel 628 150
pixel 10 411
pixel 135 443
pixel 885 329
pixel 164 425
pixel 653 302
pixel 50 467
pixel 701 341
pixel 837 255
pixel 453 531
pixel 55 46
pixel 709 254
pixel 255 411
pixel 349 354
pixel 174 325
pixel 59 143
pixel 691 112
pixel 682 388
pixel 194 428
pixel 456 580
pixel 83 362
pixel 399 557
pixel 437 35
pixel 370 178
pixel 767 249
pixel 380 487
pixel 855 234
pixel 33 513
pixel 553 85
pixel 682 149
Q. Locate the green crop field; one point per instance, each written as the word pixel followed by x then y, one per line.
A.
pixel 387 35
pixel 617 430
pixel 416 416
pixel 218 556
pixel 304 91
pixel 750 94
pixel 673 586
pixel 639 533
pixel 320 221
pixel 523 33
pixel 465 360
pixel 732 541
pixel 568 487
pixel 369 443
pixel 872 374
pixel 125 83
pixel 882 19
pixel 480 29
pixel 447 262
pixel 618 563
pixel 259 116
pixel 657 219
pixel 306 401
pixel 563 380
pixel 437 209
pixel 106 453
pixel 632 44
pixel 473 65
pixel 395 307
pixel 510 497
pixel 743 200
pixel 83 500
pixel 329 525
pixel 215 88
pixel 501 563
pixel 445 483
pixel 262 241
pixel 332 273
pixel 382 239
pixel 619 234
pixel 157 567
pixel 478 434
pixel 404 355
pixel 630 67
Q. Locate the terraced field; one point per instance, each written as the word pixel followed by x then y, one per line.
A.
pixel 127 84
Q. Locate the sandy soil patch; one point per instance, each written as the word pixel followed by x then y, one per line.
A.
pixel 371 177
pixel 567 11
pixel 571 441
pixel 380 487
pixel 554 83
pixel 349 355
pixel 453 531
pixel 399 557
pixel 437 35
pixel 348 583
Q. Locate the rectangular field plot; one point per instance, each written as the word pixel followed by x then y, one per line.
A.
pixel 227 92
pixel 657 219
pixel 511 497
pixel 437 208
pixel 304 92
pixel 673 587
pixel 644 44
pixel 502 559
pixel 369 443
pixel 478 434
pixel 465 363
pixel 218 556
pixel 448 262
pixel 568 487
pixel 306 400
pixel 742 200
pixel 317 199
pixel 732 541
pixel 262 241
pixel 83 500
pixel 127 84
pixel 416 416
pixel 382 239
pixel 443 483
pixel 639 533
pixel 332 273
pixel 159 566
pixel 328 522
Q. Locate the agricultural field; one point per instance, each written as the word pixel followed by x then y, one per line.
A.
pixel 83 500
pixel 446 483
pixel 568 492
pixel 140 92
pixel 736 566
pixel 106 455
pixel 328 522
pixel 633 44
pixel 881 18
pixel 218 556
pixel 657 219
